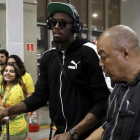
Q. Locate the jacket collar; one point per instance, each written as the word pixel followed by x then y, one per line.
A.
pixel 77 43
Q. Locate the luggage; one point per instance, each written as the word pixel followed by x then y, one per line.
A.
pixel 7 128
pixel 51 128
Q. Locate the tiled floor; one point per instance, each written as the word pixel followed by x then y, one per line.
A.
pixel 44 121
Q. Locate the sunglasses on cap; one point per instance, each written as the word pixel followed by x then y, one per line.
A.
pixel 62 24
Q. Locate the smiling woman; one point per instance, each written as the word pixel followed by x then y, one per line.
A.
pixel 9 75
pixel 13 93
pixel 26 77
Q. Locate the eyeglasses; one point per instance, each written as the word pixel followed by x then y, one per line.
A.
pixel 62 24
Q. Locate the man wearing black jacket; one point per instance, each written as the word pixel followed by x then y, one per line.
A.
pixel 70 79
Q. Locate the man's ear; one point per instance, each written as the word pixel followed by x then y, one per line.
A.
pixel 125 53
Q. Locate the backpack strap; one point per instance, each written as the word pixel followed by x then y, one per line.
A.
pixel 132 116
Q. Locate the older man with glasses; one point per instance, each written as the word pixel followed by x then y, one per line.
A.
pixel 70 79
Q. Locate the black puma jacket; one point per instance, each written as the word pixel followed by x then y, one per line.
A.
pixel 70 99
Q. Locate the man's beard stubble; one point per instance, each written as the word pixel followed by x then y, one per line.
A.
pixel 1 63
pixel 59 41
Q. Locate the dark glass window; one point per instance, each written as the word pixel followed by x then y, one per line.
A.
pixel 41 11
pixel 82 9
pixel 113 13
pixel 41 42
pixel 65 1
pixel 97 14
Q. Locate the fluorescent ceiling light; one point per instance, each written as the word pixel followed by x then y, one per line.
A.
pixel 95 15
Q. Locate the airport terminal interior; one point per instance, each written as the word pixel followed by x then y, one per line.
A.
pixel 23 31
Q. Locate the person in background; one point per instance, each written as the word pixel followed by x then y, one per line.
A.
pixel 3 58
pixel 13 93
pixel 119 52
pixel 70 79
pixel 3 61
pixel 26 77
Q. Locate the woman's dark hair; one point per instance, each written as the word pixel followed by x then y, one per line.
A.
pixel 17 80
pixel 19 63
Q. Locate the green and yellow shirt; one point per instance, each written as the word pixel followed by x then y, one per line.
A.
pixel 12 96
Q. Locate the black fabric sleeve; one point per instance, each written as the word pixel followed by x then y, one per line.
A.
pixel 98 86
pixel 41 94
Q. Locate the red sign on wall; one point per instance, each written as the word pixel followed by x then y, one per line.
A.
pixel 30 47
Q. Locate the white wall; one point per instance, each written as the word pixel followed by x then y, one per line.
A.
pixel 30 36
pixel 14 27
pixel 130 14
pixel 18 26
pixel 2 26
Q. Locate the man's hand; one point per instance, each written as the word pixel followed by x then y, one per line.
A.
pixel 12 111
pixel 3 113
pixel 1 108
pixel 96 135
pixel 63 136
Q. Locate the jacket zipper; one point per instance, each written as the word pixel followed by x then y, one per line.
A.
pixel 63 57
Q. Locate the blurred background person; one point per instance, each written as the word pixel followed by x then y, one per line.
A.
pixel 3 58
pixel 3 61
pixel 26 77
pixel 14 93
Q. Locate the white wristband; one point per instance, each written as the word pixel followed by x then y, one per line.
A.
pixel 6 118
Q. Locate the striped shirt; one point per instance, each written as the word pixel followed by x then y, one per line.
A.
pixel 119 103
